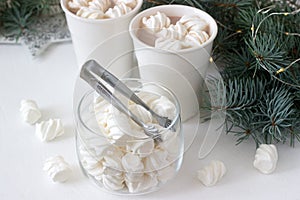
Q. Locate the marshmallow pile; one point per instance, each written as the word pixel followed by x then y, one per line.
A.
pixel 189 31
pixel 125 159
pixel 101 9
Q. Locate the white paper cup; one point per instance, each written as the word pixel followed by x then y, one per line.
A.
pixel 87 34
pixel 183 71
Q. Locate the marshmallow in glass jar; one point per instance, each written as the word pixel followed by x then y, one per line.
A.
pixel 116 153
pixel 174 42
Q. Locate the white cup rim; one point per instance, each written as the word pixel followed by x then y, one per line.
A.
pixel 212 25
pixel 95 21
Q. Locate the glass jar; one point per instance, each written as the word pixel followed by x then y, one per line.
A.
pixel 116 154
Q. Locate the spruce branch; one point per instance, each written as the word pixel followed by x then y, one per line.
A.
pixel 277 112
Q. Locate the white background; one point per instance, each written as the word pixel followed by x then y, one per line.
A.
pixel 49 80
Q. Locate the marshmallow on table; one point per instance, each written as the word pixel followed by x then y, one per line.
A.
pixel 212 173
pixel 266 158
pixel 57 169
pixel 30 111
pixel 48 130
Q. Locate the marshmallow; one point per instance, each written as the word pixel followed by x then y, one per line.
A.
pixel 266 158
pixel 30 111
pixel 168 44
pixel 149 181
pixel 86 12
pixel 57 169
pixel 141 147
pixel 156 161
pixel 157 22
pixel 113 182
pixel 194 39
pixel 176 32
pixel 129 3
pixel 132 163
pixel 75 5
pixel 118 10
pixel 164 107
pixel 141 113
pixel 48 130
pixel 91 163
pixel 101 5
pixel 194 23
pixel 212 173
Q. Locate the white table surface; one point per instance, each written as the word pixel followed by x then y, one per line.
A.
pixel 49 80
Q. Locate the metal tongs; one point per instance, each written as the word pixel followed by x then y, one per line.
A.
pixel 90 72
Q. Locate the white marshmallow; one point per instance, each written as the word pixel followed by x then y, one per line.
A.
pixel 168 44
pixel 86 12
pixel 57 169
pixel 194 39
pixel 132 163
pixel 75 5
pixel 48 130
pixel 157 22
pixel 113 182
pixel 156 161
pixel 134 177
pixel 266 158
pixel 142 148
pixel 212 173
pixel 164 107
pixel 91 163
pixel 101 5
pixel 194 23
pixel 113 160
pixel 118 10
pixel 149 181
pixel 176 32
pixel 30 111
pixel 129 3
pixel 141 113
